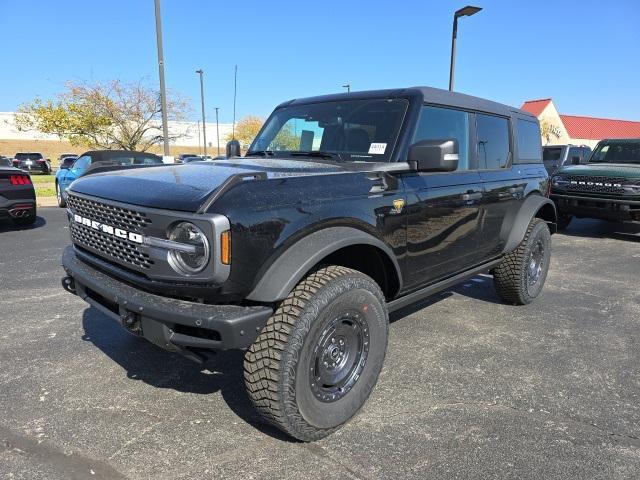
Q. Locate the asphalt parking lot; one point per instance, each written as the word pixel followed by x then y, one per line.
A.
pixel 471 388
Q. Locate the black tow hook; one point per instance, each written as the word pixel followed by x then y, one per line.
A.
pixel 69 285
pixel 131 322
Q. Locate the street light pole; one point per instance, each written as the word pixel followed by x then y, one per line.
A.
pixel 218 130
pixel 463 12
pixel 163 93
pixel 204 127
pixel 348 87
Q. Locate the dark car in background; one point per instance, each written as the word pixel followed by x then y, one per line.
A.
pixel 17 196
pixel 32 162
pixel 5 161
pixel 96 161
pixel 607 187
pixel 66 160
pixel 557 156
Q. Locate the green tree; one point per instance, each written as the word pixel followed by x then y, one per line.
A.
pixel 103 115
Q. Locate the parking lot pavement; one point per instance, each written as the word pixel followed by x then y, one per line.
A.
pixel 471 388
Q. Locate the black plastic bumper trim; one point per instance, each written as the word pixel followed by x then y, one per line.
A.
pixel 237 326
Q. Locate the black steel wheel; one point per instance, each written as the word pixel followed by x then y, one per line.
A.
pixel 318 358
pixel 339 356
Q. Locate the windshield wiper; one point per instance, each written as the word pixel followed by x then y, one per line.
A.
pixel 262 153
pixel 313 153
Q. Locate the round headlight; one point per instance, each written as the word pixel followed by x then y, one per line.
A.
pixel 189 262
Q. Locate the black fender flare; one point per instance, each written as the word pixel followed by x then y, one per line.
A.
pixel 292 264
pixel 529 209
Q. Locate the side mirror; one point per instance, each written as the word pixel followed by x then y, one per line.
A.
pixel 434 155
pixel 575 160
pixel 233 149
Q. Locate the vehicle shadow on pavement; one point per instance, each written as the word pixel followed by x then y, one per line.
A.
pixel 145 362
pixel 592 228
pixel 6 225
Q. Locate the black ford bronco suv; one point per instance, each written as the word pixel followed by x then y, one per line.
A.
pixel 345 207
pixel 607 187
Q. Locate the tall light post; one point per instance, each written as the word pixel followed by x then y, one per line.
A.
pixel 218 130
pixel 348 87
pixel 463 12
pixel 163 93
pixel 204 127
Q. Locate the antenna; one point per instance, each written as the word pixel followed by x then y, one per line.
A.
pixel 235 93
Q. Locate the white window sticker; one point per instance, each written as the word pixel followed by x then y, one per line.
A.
pixel 377 148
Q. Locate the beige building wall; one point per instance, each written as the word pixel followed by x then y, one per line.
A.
pixel 550 115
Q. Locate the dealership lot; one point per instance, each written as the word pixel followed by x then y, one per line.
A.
pixel 471 388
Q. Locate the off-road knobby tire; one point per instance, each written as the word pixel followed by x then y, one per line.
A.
pixel 510 279
pixel 563 221
pixel 276 369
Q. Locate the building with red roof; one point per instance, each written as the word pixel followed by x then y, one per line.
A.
pixel 560 129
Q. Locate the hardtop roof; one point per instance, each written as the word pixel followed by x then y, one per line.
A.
pixel 429 95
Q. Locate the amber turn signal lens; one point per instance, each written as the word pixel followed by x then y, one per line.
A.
pixel 225 247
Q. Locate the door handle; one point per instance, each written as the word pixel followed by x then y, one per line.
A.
pixel 471 195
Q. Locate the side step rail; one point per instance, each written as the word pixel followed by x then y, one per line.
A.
pixel 429 290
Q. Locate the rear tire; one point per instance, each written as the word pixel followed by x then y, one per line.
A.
pixel 521 275
pixel 318 358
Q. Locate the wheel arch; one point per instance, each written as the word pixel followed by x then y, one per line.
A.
pixel 344 246
pixel 534 206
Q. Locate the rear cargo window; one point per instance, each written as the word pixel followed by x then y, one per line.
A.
pixel 529 140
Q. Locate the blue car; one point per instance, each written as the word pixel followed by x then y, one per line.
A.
pixel 96 161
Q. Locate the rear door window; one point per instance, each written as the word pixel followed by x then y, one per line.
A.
pixel 492 141
pixel 528 140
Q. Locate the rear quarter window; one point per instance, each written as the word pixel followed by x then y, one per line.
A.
pixel 529 143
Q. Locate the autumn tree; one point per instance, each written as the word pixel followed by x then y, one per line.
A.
pixel 246 130
pixel 103 115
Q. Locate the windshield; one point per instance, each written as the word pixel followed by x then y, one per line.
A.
pixel 616 152
pixel 551 154
pixel 349 130
pixel 126 160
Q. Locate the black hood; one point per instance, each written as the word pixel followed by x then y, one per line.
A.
pixel 186 187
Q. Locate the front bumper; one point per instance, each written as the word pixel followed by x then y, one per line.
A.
pixel 612 209
pixel 176 325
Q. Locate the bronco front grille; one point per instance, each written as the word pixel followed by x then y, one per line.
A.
pixel 590 184
pixel 109 246
pixel 119 217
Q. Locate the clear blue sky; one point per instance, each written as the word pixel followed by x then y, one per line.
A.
pixel 585 54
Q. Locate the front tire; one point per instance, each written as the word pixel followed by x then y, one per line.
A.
pixel 318 358
pixel 521 275
pixel 59 197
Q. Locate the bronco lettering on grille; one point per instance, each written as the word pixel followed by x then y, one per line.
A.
pixel 108 229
